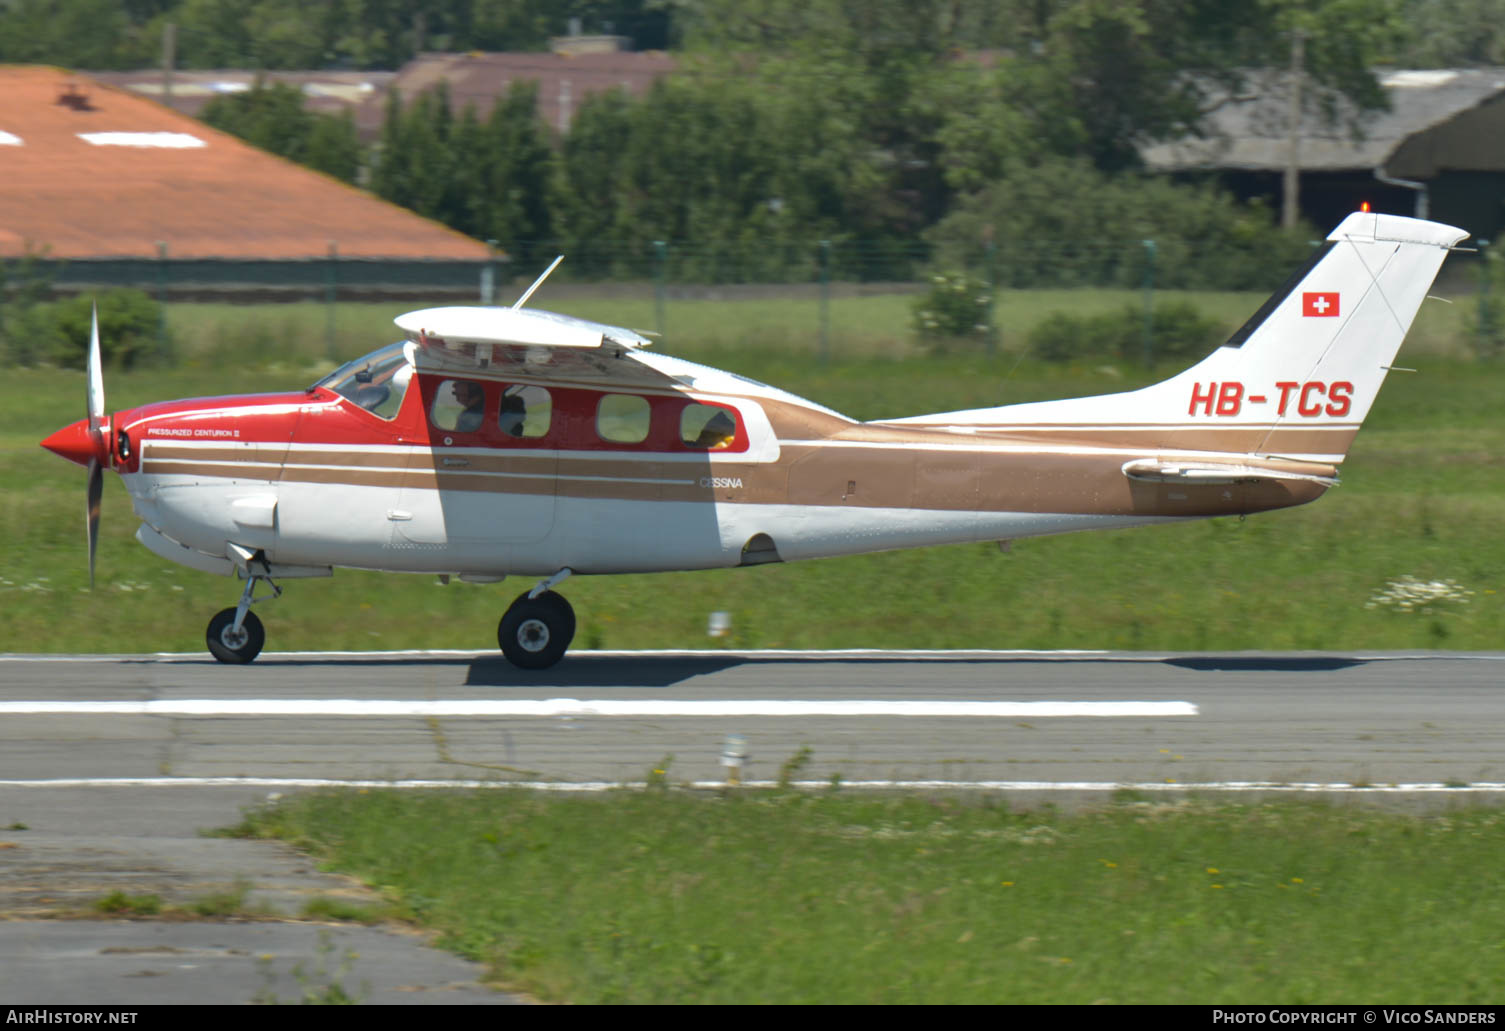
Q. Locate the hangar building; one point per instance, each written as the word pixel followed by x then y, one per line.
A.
pixel 1439 152
pixel 112 188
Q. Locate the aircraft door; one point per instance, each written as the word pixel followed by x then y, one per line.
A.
pixel 488 475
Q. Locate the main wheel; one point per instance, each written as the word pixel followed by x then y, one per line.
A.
pixel 536 631
pixel 228 646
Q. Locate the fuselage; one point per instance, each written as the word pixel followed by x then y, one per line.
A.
pixel 388 468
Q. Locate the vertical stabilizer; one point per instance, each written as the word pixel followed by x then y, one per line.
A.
pixel 1296 380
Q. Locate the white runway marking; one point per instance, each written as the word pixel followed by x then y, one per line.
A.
pixel 1152 787
pixel 589 707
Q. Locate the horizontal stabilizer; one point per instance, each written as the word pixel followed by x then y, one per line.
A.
pixel 1154 470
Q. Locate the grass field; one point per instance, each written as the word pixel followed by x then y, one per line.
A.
pixel 660 896
pixel 1422 497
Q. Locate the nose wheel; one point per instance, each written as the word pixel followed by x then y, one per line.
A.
pixel 236 635
pixel 535 632
pixel 232 645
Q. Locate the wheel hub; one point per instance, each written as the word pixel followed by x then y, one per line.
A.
pixel 533 635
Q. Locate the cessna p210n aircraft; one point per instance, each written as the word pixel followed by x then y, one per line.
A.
pixel 504 441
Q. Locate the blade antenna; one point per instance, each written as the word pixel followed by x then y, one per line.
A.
pixel 538 282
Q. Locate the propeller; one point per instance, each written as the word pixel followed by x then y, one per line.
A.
pixel 96 401
pixel 87 441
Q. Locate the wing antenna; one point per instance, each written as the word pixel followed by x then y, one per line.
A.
pixel 538 282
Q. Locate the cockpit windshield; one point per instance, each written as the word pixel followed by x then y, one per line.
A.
pixel 376 381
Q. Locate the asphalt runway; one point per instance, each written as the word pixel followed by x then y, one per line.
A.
pixel 1372 720
pixel 110 765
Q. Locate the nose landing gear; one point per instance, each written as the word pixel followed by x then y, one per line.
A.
pixel 236 635
pixel 538 627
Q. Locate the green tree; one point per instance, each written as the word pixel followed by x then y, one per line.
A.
pixel 129 325
pixel 1063 222
pixel 517 180
pixel 1100 77
pixel 94 34
pixel 24 283
pixel 282 34
pixel 1106 76
pixel 590 169
pixel 272 117
pixel 492 180
pixel 739 174
pixel 1452 34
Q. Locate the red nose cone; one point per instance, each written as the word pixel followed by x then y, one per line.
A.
pixel 76 444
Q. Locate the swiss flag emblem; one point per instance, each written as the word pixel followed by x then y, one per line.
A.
pixel 1321 305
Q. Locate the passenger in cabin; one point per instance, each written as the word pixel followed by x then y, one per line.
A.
pixel 718 432
pixel 514 412
pixel 472 399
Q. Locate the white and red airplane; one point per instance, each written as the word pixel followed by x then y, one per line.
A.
pixel 501 441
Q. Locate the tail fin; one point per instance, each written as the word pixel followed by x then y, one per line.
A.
pixel 1295 381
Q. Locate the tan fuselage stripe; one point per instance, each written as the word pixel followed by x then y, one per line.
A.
pixel 858 477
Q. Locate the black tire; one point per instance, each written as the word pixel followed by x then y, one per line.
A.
pixel 535 633
pixel 566 612
pixel 236 650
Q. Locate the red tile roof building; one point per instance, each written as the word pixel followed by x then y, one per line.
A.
pixel 89 171
pixel 478 79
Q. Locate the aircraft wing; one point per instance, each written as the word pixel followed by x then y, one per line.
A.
pixel 526 343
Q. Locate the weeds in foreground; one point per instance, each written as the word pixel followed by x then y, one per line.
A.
pixel 323 908
pixel 673 896
pixel 657 778
pixel 222 903
pixel 792 767
pixel 232 903
pixel 323 984
pixel 118 903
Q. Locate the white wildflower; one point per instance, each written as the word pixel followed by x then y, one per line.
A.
pixel 1408 594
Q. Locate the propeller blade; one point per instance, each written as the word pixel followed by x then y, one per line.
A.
pixel 96 378
pixel 96 489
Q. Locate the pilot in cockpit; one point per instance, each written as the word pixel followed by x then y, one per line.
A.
pixel 718 432
pixel 472 399
pixel 514 412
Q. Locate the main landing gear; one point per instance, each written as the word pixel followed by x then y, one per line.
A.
pixel 236 635
pixel 534 633
pixel 538 626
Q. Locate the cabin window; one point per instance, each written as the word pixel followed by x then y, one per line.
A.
pixel 623 418
pixel 526 411
pixel 707 427
pixel 459 405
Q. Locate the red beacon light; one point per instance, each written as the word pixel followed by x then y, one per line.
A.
pixel 1364 207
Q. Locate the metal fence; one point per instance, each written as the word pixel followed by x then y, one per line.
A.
pixel 332 278
pixel 674 270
